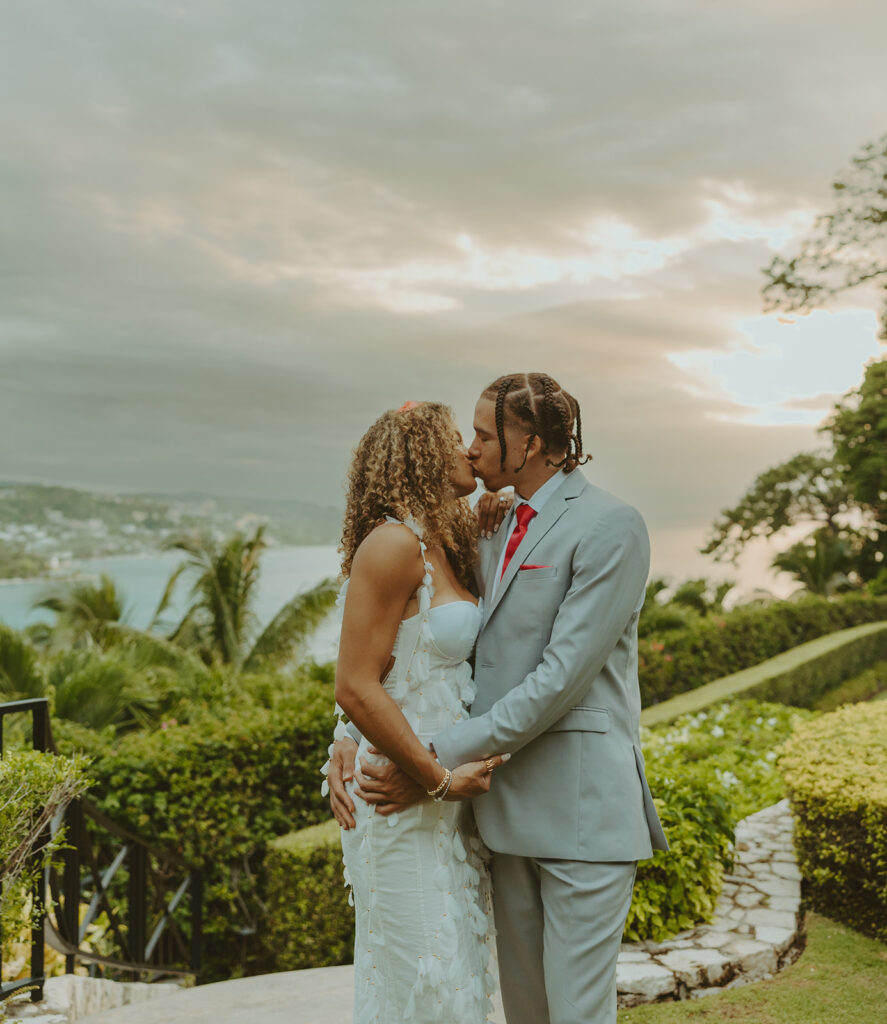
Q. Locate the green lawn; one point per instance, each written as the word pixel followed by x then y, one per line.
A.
pixel 841 978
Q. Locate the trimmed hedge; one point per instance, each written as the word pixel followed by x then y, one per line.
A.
pixel 682 660
pixel 309 922
pixel 800 677
pixel 836 771
pixel 216 791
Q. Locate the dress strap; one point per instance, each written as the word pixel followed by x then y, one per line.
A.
pixel 426 588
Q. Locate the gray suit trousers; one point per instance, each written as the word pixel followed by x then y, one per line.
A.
pixel 559 927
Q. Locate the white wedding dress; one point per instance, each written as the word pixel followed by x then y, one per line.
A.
pixel 420 888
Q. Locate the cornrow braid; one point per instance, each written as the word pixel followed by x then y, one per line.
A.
pixel 504 388
pixel 565 416
pixel 539 405
pixel 579 432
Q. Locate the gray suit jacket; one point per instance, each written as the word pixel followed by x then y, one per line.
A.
pixel 557 686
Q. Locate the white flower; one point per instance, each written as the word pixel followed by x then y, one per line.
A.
pixel 717 731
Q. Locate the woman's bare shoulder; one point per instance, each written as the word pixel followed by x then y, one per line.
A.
pixel 391 553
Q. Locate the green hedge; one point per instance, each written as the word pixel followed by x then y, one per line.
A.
pixel 836 771
pixel 800 677
pixel 308 921
pixel 216 791
pixel 682 660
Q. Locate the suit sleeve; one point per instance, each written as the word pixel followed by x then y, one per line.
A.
pixel 610 568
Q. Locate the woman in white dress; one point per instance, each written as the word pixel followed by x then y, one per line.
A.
pixel 418 880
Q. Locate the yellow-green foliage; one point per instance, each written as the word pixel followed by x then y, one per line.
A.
pixel 309 922
pixel 33 788
pixel 836 771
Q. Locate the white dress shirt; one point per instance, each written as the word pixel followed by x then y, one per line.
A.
pixel 536 502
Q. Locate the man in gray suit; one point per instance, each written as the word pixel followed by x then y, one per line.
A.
pixel 569 816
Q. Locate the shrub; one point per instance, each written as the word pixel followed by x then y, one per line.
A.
pixel 33 788
pixel 867 684
pixel 678 889
pixel 308 922
pixel 681 660
pixel 216 790
pixel 836 771
pixel 733 743
pixel 801 676
pixel 708 770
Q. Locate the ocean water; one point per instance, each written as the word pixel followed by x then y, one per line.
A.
pixel 141 580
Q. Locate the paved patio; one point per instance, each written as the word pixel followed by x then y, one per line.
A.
pixel 321 996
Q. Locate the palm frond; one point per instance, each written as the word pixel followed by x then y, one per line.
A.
pixel 20 674
pixel 292 626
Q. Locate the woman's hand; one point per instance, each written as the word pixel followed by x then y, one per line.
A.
pixel 491 509
pixel 473 778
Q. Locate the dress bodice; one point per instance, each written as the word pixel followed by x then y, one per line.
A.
pixel 431 679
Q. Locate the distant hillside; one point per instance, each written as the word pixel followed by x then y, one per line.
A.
pixel 42 526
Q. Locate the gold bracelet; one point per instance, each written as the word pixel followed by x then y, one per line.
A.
pixel 442 787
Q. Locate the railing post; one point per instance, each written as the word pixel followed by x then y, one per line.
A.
pixel 138 890
pixel 71 879
pixel 197 922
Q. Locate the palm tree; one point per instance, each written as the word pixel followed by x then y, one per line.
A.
pixel 220 623
pixel 821 562
pixel 699 595
pixel 84 610
pixel 99 689
pixel 20 674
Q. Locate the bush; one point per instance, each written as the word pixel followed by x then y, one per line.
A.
pixel 801 677
pixel 682 660
pixel 708 771
pixel 215 791
pixel 678 889
pixel 864 686
pixel 836 771
pixel 33 788
pixel 309 922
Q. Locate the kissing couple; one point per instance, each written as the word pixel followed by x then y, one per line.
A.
pixel 517 787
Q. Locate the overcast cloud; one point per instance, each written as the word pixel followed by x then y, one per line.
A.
pixel 233 233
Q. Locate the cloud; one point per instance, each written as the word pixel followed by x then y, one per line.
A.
pixel 237 232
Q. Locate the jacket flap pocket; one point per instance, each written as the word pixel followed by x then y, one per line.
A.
pixel 583 720
pixel 543 572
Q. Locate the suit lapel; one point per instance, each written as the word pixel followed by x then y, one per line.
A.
pixel 539 526
pixel 493 551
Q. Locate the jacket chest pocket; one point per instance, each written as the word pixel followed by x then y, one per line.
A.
pixel 540 572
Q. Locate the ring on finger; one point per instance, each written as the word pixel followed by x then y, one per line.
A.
pixel 489 763
pixel 502 500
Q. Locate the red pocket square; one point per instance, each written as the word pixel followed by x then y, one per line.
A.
pixel 536 567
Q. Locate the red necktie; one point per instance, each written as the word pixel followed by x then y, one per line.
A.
pixel 524 514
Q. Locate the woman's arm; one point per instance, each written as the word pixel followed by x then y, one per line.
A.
pixel 386 572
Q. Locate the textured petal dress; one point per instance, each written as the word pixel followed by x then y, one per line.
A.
pixel 420 888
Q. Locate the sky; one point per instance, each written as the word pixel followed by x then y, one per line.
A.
pixel 232 234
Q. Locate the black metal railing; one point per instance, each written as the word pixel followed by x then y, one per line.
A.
pixel 40 740
pixel 106 874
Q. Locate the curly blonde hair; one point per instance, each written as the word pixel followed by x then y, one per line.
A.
pixel 401 468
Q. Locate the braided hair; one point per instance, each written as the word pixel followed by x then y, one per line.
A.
pixel 538 404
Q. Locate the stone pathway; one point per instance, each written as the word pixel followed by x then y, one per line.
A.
pixel 756 932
